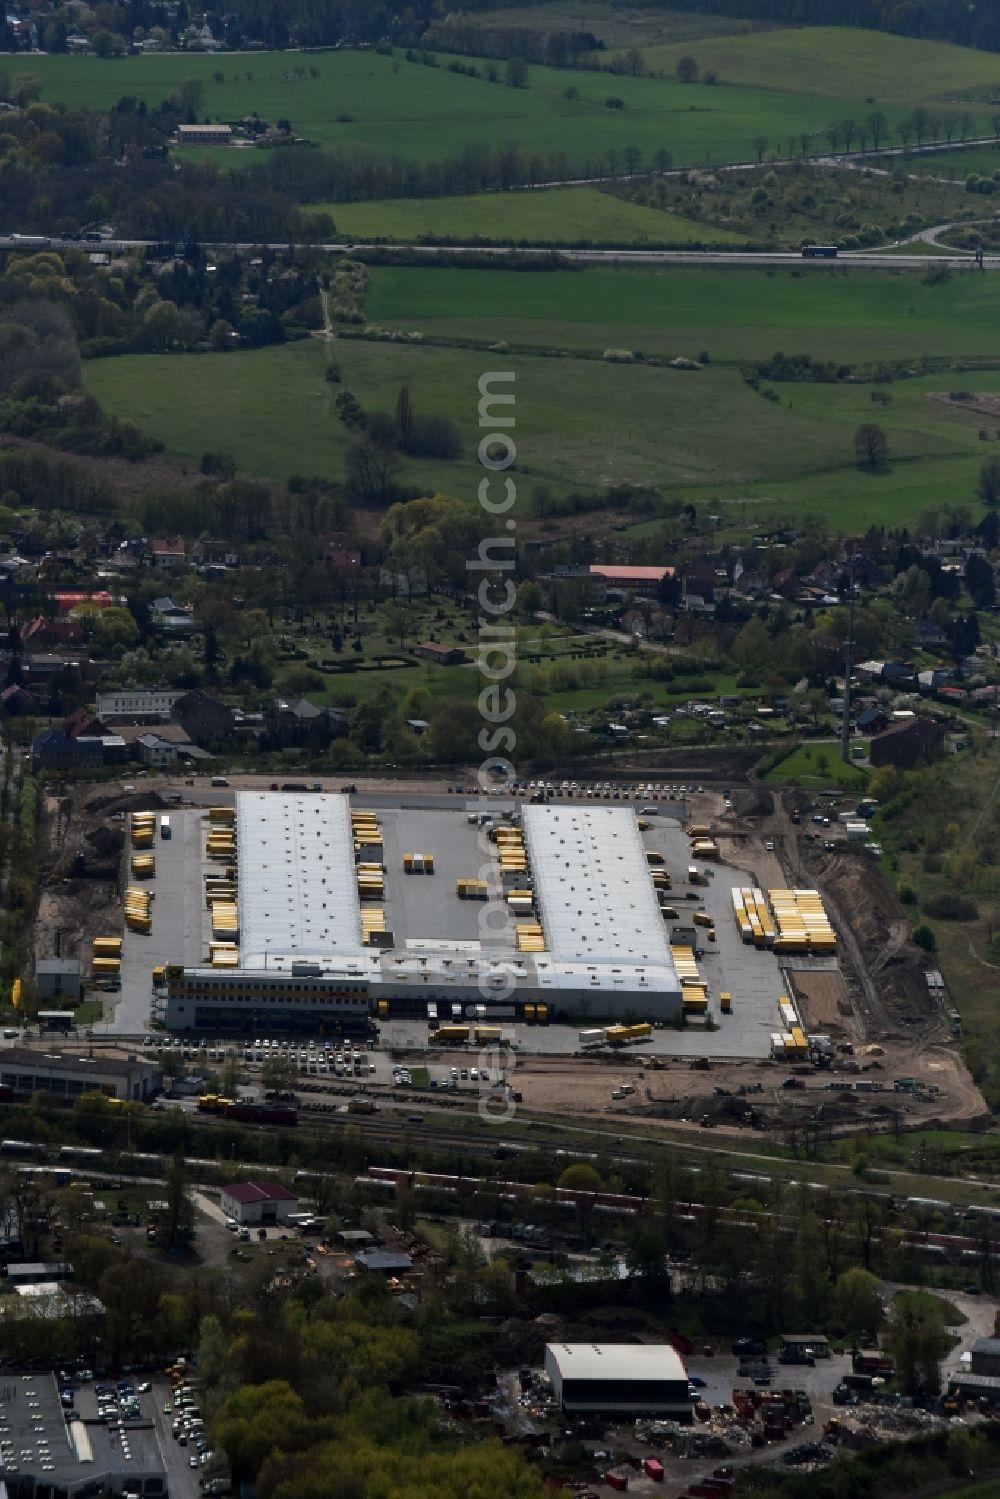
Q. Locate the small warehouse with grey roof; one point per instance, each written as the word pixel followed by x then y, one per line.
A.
pixel 335 926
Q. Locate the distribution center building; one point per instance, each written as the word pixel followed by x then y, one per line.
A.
pixel 312 952
pixel 619 1379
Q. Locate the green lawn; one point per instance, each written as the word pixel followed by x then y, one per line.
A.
pixel 422 113
pixel 733 314
pixel 818 59
pixel 562 215
pixel 816 766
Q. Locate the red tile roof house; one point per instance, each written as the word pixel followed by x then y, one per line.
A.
pixel 258 1202
pixel 444 655
pixel 168 551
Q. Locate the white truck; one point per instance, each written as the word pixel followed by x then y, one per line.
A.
pixel 591 1038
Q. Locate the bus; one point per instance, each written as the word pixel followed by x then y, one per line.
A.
pixel 820 252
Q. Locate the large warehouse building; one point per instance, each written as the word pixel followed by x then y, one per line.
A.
pixel 313 950
pixel 67 1077
pixel 619 1379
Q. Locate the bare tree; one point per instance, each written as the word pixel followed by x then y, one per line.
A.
pixel 872 446
pixel 633 156
pixel 878 126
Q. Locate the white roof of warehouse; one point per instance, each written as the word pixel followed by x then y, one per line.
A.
pixel 625 1361
pixel 595 895
pixel 298 892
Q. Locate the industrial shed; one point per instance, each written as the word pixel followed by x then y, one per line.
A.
pixel 621 1379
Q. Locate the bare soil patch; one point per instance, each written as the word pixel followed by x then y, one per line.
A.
pixel 824 1002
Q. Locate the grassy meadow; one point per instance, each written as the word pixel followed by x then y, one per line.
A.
pixel 622 26
pixel 559 215
pixel 956 165
pixel 582 423
pixel 423 113
pixel 818 60
pixel 735 314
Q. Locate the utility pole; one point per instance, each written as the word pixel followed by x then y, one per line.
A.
pixel 845 727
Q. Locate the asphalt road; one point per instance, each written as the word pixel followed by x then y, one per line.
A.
pixel 854 260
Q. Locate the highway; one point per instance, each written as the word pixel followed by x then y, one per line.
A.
pixel 864 260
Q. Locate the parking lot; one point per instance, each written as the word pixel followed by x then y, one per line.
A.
pixel 131 1409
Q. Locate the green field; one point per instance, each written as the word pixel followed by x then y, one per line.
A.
pixel 582 424
pixel 733 314
pixel 957 165
pixel 416 112
pixel 620 26
pixel 559 215
pixel 579 422
pixel 881 68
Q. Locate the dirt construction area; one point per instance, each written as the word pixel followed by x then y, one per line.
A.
pixel 738 1096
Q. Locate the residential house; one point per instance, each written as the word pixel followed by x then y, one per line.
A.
pixel 41 634
pixel 933 678
pixel 204 718
pixel 161 751
pixel 930 637
pixel 871 721
pixel 172 618
pixel 168 551
pixel 82 721
pixel 343 559
pixel 699 583
pixel 18 702
pixel 297 721
pixel 443 655
pixel 906 744
pixel 40 669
